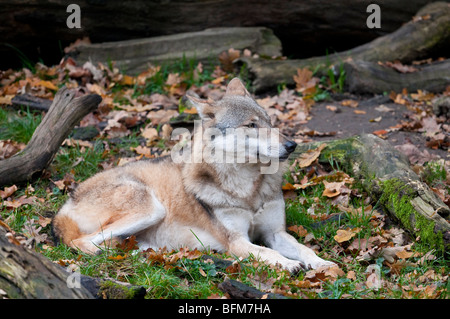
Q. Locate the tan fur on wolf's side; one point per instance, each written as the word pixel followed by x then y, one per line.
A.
pixel 221 206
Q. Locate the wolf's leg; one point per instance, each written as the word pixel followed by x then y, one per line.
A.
pixel 289 247
pixel 243 248
pixel 271 228
pixel 128 224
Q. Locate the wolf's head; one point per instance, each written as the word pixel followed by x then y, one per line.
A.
pixel 239 129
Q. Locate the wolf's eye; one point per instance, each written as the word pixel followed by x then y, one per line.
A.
pixel 251 125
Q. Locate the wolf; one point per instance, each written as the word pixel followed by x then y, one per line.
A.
pixel 228 206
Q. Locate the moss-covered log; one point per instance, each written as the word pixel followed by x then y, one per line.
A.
pixel 26 274
pixel 386 175
pixel 414 40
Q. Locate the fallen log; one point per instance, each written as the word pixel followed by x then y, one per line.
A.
pixel 65 112
pixel 31 101
pixel 414 40
pixel 369 77
pixel 134 56
pixel 39 29
pixel 27 274
pixel 239 290
pixel 386 175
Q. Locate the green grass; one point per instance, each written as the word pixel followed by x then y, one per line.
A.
pixel 185 68
pixel 82 162
pixel 198 278
pixel 18 126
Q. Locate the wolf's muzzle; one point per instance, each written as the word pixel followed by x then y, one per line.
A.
pixel 290 146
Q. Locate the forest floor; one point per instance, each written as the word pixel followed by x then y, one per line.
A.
pixel 376 259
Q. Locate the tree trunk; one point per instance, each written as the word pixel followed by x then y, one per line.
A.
pixel 26 274
pixel 386 175
pixel 134 56
pixel 414 40
pixel 38 28
pixel 65 112
pixel 369 77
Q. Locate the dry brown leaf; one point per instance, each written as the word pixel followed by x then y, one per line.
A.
pixel 399 67
pixel 142 150
pixel 7 191
pixel 310 156
pixel 150 133
pixel 226 59
pixel 331 108
pixel 403 254
pixel 332 189
pixel 305 82
pixel 8 148
pixel 349 103
pixel 299 230
pixel 343 235
pixel 351 275
pixel 161 116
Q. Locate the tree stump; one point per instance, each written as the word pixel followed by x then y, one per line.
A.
pixel 65 112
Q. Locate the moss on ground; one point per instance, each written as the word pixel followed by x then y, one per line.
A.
pixel 397 196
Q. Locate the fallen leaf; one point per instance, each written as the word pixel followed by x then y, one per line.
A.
pixel 8 148
pixel 373 281
pixel 331 108
pixel 305 82
pixel 334 272
pixel 343 235
pixel 302 283
pixel 403 254
pixel 142 150
pixel 288 186
pixel 310 156
pixel 377 119
pixel 8 191
pixel 7 99
pixel 332 189
pixel 127 80
pixel 381 133
pixel 44 221
pixel 351 275
pixel 128 244
pixel 48 85
pixel 383 108
pixel 350 103
pixel 202 272
pixel 399 67
pixel 226 59
pixel 118 257
pixel 299 230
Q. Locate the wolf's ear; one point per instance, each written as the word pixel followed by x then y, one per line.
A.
pixel 204 107
pixel 236 87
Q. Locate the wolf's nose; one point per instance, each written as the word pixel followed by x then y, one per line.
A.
pixel 290 146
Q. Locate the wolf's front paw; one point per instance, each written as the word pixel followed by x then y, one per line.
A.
pixel 320 263
pixel 293 266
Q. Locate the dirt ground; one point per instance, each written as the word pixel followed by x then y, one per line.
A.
pixel 368 118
